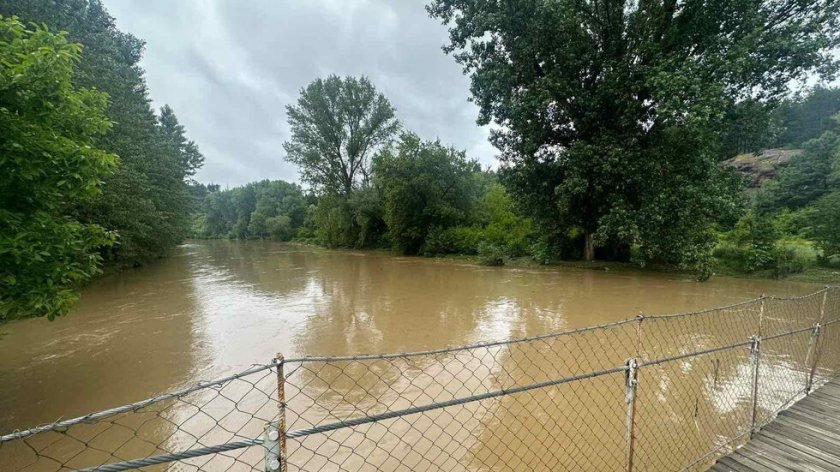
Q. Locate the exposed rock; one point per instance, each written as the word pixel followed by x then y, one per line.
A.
pixel 763 165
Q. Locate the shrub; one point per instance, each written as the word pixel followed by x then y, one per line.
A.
pixel 787 260
pixel 439 241
pixel 490 254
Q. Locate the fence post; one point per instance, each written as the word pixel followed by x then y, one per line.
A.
pixel 814 346
pixel 755 352
pixel 631 381
pixel 281 402
pixel 755 360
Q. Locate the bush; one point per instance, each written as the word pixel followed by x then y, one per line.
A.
pixel 490 254
pixel 439 241
pixel 745 259
pixel 749 246
pixel 787 260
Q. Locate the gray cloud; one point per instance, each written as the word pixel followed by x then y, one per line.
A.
pixel 229 68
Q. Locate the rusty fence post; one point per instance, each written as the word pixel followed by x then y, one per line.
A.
pixel 281 403
pixel 814 345
pixel 631 381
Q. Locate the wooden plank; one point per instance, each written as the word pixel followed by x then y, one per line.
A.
pixel 800 451
pixel 825 400
pixel 816 421
pixel 790 461
pixel 765 459
pixel 819 404
pixel 819 410
pixel 786 421
pixel 805 437
pixel 734 466
pixel 747 461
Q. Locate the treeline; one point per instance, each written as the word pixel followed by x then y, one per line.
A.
pixel 421 197
pixel 91 173
pixel 259 210
pixel 753 125
pixel 373 185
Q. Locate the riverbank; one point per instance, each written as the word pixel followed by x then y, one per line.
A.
pixel 812 273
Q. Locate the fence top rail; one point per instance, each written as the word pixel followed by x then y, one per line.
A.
pixel 96 416
pixel 99 415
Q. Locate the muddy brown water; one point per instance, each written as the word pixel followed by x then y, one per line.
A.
pixel 216 307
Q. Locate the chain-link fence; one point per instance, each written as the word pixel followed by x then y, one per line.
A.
pixel 656 392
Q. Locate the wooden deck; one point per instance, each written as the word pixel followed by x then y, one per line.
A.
pixel 805 437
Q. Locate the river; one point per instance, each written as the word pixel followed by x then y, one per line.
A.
pixel 216 307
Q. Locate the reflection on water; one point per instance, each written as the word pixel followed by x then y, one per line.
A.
pixel 219 306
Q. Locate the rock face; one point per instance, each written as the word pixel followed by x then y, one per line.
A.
pixel 762 166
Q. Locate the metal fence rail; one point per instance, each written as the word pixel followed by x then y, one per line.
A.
pixel 655 392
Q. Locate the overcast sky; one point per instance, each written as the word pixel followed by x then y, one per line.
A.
pixel 229 68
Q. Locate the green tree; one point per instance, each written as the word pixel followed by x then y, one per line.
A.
pixel 264 209
pixel 826 224
pixel 174 135
pixel 809 115
pixel 337 124
pixel 146 200
pixel 425 185
pixel 49 163
pixel 608 113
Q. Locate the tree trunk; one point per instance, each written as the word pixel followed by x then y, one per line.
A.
pixel 588 247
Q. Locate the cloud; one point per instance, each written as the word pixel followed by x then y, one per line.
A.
pixel 230 68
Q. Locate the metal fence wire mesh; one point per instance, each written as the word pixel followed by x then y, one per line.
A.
pixel 652 393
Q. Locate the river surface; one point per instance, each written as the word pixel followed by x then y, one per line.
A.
pixel 217 307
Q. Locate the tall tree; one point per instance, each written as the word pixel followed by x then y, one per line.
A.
pixel 608 112
pixel 174 134
pixel 49 163
pixel 809 115
pixel 337 125
pixel 146 200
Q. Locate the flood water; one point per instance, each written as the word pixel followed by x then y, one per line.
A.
pixel 217 307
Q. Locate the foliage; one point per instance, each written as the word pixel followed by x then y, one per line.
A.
pixel 750 126
pixel 609 115
pixel 424 185
pixel 787 260
pixel 50 164
pixel 147 199
pixel 749 246
pixel 259 210
pixel 826 230
pixel 802 180
pixel 173 132
pixel 337 124
pixel 502 225
pixel 490 254
pixel 808 116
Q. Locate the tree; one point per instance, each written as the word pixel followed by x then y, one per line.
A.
pixel 424 185
pixel 809 115
pixel 146 200
pixel 264 209
pixel 608 112
pixel 337 124
pixel 174 134
pixel 803 179
pixel 49 164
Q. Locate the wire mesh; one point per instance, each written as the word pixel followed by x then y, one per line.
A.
pixel 562 401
